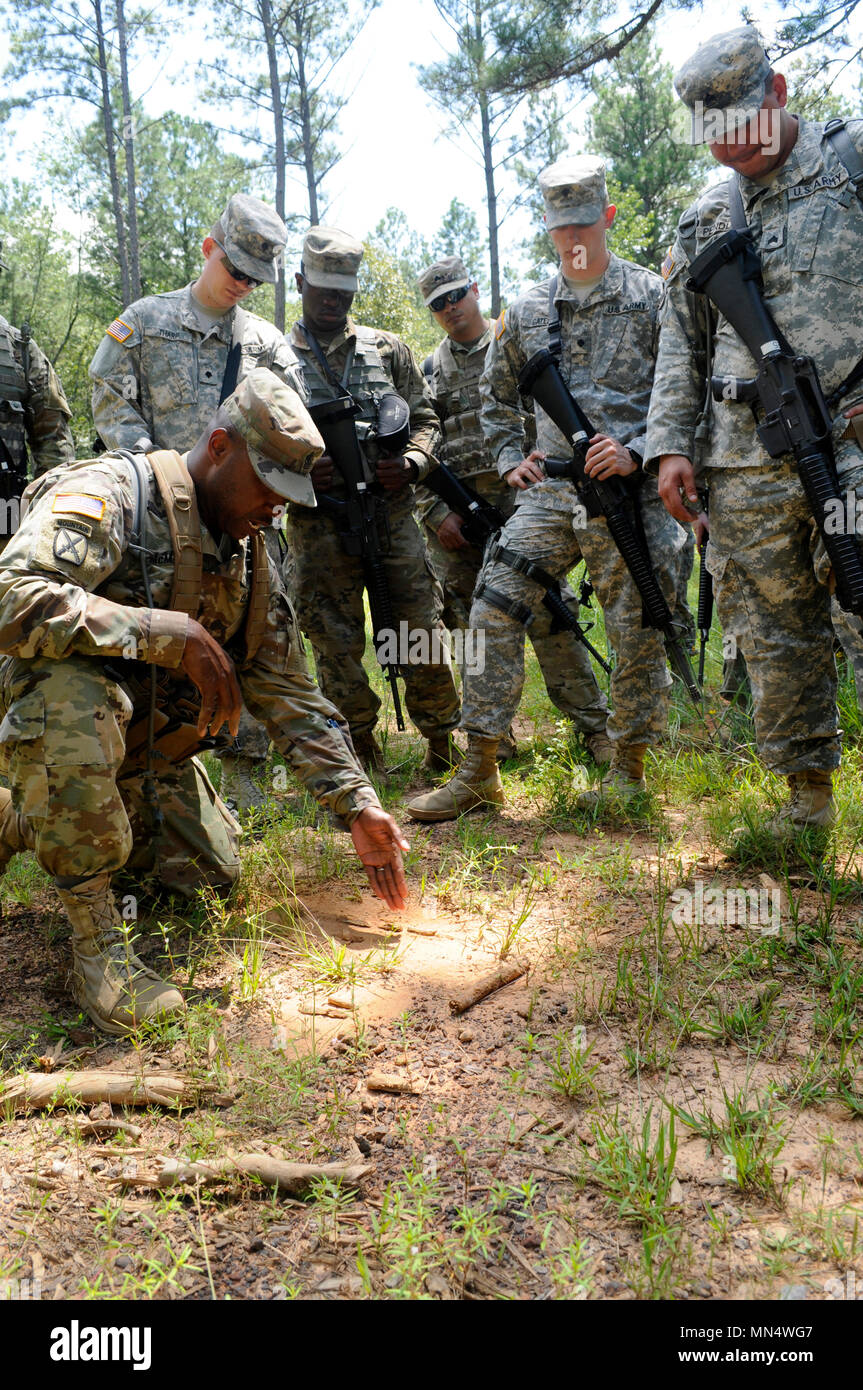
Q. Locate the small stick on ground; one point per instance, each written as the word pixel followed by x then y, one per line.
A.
pixel 293 1178
pixel 33 1091
pixel 399 1085
pixel 101 1128
pixel 487 984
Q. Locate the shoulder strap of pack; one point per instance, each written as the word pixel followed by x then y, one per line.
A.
pixel 847 152
pixel 735 205
pixel 259 597
pixel 181 505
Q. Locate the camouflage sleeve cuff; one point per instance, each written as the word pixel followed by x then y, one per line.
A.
pixel 508 459
pixel 165 641
pixel 659 447
pixel 350 804
pixel 421 461
pixel 432 514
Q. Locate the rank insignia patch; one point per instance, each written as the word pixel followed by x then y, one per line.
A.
pixel 119 330
pixel 70 546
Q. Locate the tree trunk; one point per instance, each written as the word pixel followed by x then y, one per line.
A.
pixel 279 141
pixel 306 120
pixel 129 149
pixel 108 127
pixel 487 157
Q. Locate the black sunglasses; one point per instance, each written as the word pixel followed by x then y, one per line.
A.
pixel 444 299
pixel 238 275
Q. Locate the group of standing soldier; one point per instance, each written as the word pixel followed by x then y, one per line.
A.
pixel 196 565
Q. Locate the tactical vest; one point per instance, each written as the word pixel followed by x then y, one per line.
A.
pixel 177 491
pixel 13 394
pixel 455 386
pixel 367 378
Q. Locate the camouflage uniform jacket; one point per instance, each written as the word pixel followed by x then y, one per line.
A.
pixel 371 362
pixel 608 352
pixel 456 370
pixel 33 408
pixel 70 586
pixel 807 225
pixel 157 374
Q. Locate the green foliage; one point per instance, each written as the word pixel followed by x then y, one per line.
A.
pixel 634 125
pixel 388 299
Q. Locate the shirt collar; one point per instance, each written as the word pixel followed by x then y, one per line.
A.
pixel 803 163
pixel 609 286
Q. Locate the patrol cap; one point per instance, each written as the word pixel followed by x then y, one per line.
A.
pixel 445 275
pixel 252 236
pixel 574 191
pixel 331 258
pixel 279 433
pixel 726 74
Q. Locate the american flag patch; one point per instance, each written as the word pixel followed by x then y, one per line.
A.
pixel 79 504
pixel 119 330
pixel 667 264
pixel 500 325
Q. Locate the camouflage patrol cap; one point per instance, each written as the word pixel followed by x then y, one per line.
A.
pixel 252 236
pixel 331 259
pixel 722 83
pixel 574 191
pixel 445 275
pixel 279 433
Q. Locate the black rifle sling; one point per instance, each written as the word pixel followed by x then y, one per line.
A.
pixel 555 345
pixel 340 387
pixel 232 366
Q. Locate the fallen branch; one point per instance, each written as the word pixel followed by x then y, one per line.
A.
pixel 294 1178
pixel 487 984
pixel 33 1091
pixel 101 1128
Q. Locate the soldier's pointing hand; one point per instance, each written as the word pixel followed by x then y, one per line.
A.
pixel 212 671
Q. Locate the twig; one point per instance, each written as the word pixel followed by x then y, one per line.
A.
pixel 487 984
pixel 286 1177
pixel 33 1091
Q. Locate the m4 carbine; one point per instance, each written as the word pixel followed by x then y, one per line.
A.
pixel 541 379
pixel 360 519
pixel 482 521
pixel 796 419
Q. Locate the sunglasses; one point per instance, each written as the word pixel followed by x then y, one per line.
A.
pixel 238 275
pixel 444 299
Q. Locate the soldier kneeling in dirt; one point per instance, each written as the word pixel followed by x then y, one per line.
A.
pixel 138 610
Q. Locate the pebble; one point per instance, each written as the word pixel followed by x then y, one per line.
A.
pixel 465 1035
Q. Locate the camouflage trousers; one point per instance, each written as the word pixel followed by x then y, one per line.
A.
pixel 543 528
pixel 564 662
pixel 326 588
pixel 252 741
pixel 63 749
pixel 770 573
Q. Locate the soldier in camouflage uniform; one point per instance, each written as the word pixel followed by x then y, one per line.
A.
pixel 807 224
pixel 325 584
pixel 34 416
pixel 162 368
pixel 456 367
pixel 608 313
pixel 82 628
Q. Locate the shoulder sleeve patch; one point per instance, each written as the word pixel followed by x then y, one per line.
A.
pixel 79 504
pixel 500 326
pixel 668 263
pixel 119 330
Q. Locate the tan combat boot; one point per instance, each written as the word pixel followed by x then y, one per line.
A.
pixel 623 780
pixel 477 783
pixel 507 747
pixel 599 746
pixel 239 788
pixel 109 982
pixel 368 751
pixel 811 803
pixel 16 834
pixel 442 754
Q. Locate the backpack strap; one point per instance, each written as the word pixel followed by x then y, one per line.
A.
pixel 846 152
pixel 181 505
pixel 259 596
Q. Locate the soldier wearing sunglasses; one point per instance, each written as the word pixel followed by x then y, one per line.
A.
pixel 168 361
pixel 455 369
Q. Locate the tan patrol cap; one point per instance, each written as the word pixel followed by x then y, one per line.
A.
pixel 331 258
pixel 574 191
pixel 252 236
pixel 445 275
pixel 722 83
pixel 279 433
